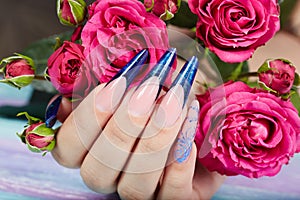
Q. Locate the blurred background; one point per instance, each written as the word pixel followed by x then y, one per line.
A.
pixel 27 21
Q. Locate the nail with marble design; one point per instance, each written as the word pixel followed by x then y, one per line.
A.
pixel 51 112
pixel 148 90
pixel 184 142
pixel 110 96
pixel 173 102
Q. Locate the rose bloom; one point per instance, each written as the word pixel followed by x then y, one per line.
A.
pixel 67 71
pixel 233 29
pixel 116 30
pixel 280 77
pixel 246 131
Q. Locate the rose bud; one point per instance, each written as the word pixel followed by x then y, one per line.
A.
pixel 17 70
pixel 165 9
pixel 39 138
pixel 71 12
pixel 37 135
pixel 277 75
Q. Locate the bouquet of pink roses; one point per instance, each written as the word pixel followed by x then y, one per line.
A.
pixel 248 127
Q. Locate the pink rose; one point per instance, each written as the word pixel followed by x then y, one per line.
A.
pixel 67 72
pixel 278 75
pixel 246 131
pixel 116 30
pixel 233 29
pixel 165 9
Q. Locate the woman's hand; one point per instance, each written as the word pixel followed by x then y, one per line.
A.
pixel 153 169
pixel 137 142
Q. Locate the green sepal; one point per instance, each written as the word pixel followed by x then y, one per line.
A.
pixel 16 57
pixel 150 8
pixel 43 130
pixel 265 87
pixel 264 67
pixel 19 82
pixel 297 79
pixel 31 119
pixel 78 9
pixel 167 15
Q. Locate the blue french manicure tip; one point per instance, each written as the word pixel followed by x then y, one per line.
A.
pixel 51 112
pixel 162 68
pixel 186 76
pixel 131 69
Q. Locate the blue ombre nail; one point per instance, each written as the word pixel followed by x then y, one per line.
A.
pixel 186 76
pixel 162 68
pixel 51 112
pixel 132 68
pixel 184 142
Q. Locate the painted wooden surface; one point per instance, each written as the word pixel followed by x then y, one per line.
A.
pixel 26 175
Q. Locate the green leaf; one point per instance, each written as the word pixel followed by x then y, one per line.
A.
pixel 295 99
pixel 228 71
pixel 184 17
pixel 236 72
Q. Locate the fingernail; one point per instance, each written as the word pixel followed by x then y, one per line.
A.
pixel 51 112
pixel 186 76
pixel 184 142
pixel 146 93
pixel 110 96
pixel 131 69
pixel 173 102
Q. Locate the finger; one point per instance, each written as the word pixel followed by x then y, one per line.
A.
pixel 178 176
pixel 145 166
pixel 100 169
pixel 61 105
pixel 86 122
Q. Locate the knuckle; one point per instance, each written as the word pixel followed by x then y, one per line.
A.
pixel 94 182
pixel 128 192
pixel 116 136
pixel 65 161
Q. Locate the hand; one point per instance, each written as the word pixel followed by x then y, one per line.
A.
pixel 131 144
pixel 179 179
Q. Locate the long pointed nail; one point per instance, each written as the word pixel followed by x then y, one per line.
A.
pixel 110 96
pixel 51 112
pixel 131 69
pixel 147 92
pixel 162 68
pixel 173 102
pixel 184 142
pixel 186 76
